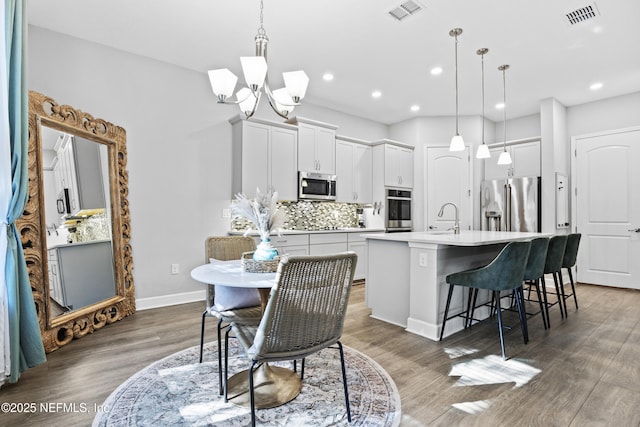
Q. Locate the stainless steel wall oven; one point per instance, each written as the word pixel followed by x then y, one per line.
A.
pixel 398 210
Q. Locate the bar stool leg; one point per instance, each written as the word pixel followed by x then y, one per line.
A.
pixel 536 283
pixel 496 295
pixel 446 311
pixel 522 314
pixel 546 301
pixel 558 295
pixel 573 288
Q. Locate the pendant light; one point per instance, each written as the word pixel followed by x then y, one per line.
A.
pixel 505 157
pixel 457 143
pixel 483 149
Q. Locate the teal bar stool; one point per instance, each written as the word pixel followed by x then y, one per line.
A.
pixel 553 264
pixel 568 261
pixel 505 272
pixel 535 270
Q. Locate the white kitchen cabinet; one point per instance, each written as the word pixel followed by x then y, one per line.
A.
pixel 398 166
pixel 264 154
pixel 327 243
pixel 525 161
pixel 289 244
pixel 353 171
pixel 316 145
pixel 81 274
pixel 78 170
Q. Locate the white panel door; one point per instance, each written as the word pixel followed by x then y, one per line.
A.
pixel 448 181
pixel 608 208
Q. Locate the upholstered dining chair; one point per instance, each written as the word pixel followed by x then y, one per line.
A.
pixel 241 305
pixel 305 314
pixel 505 272
pixel 552 265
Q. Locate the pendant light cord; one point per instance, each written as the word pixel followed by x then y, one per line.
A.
pixel 504 102
pixel 456 70
pixel 482 62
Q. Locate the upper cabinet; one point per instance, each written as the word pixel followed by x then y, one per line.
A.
pixel 316 145
pixel 78 174
pixel 353 171
pixel 264 154
pixel 397 162
pixel 525 161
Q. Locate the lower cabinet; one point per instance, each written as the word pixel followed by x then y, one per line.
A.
pixel 324 244
pixel 327 243
pixel 81 274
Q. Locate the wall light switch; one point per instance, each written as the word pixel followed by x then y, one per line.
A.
pixel 226 213
pixel 175 268
pixel 423 259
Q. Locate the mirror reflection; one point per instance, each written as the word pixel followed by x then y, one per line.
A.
pixel 78 221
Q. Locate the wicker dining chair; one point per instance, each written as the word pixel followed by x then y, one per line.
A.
pixel 241 305
pixel 305 314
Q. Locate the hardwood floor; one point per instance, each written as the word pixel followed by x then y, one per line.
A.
pixel 588 366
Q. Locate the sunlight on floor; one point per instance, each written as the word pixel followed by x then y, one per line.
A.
pixel 456 352
pixel 472 407
pixel 493 370
pixel 489 370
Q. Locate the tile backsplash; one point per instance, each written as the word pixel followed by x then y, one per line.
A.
pixel 305 215
pixel 95 227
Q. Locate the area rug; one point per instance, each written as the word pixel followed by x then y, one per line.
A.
pixel 179 391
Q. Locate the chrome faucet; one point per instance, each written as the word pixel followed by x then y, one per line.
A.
pixel 456 226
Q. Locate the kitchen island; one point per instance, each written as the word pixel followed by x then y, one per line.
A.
pixel 406 274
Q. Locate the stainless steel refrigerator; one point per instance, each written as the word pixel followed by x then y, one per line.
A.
pixel 511 204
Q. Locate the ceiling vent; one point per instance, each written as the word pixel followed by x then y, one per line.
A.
pixel 582 14
pixel 405 10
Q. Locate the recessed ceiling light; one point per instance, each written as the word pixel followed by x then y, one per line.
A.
pixel 500 106
pixel 327 77
pixel 436 70
pixel 596 86
pixel 376 94
pixel 415 108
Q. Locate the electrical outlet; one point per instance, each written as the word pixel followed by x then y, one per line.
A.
pixel 423 259
pixel 175 268
pixel 226 213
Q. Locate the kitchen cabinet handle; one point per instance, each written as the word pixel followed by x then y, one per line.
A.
pixel 636 230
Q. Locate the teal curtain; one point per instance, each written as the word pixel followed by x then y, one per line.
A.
pixel 25 341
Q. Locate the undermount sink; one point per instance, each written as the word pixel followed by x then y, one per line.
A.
pixel 439 232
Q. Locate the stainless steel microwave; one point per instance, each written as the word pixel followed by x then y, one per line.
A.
pixel 316 186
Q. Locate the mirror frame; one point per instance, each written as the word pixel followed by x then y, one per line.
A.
pixel 62 329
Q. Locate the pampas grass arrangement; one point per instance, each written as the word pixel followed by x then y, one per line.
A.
pixel 262 212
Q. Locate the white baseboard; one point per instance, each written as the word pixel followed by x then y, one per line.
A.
pixel 167 300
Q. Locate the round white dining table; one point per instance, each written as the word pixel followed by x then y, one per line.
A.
pixel 273 385
pixel 230 273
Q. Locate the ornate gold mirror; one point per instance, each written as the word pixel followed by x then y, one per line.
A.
pixel 75 228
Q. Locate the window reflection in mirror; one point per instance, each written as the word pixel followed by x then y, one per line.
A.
pixel 78 221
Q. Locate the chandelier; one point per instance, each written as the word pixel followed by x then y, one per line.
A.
pixel 483 149
pixel 254 68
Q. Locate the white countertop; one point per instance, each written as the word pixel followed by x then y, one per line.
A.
pixel 465 238
pixel 68 245
pixel 338 230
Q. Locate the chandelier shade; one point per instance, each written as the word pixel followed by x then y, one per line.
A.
pixel 255 71
pixel 223 82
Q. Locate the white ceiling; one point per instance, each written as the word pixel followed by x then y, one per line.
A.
pixel 367 50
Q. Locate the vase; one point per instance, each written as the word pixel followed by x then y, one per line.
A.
pixel 265 251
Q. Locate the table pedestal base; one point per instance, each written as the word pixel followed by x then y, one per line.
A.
pixel 273 386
